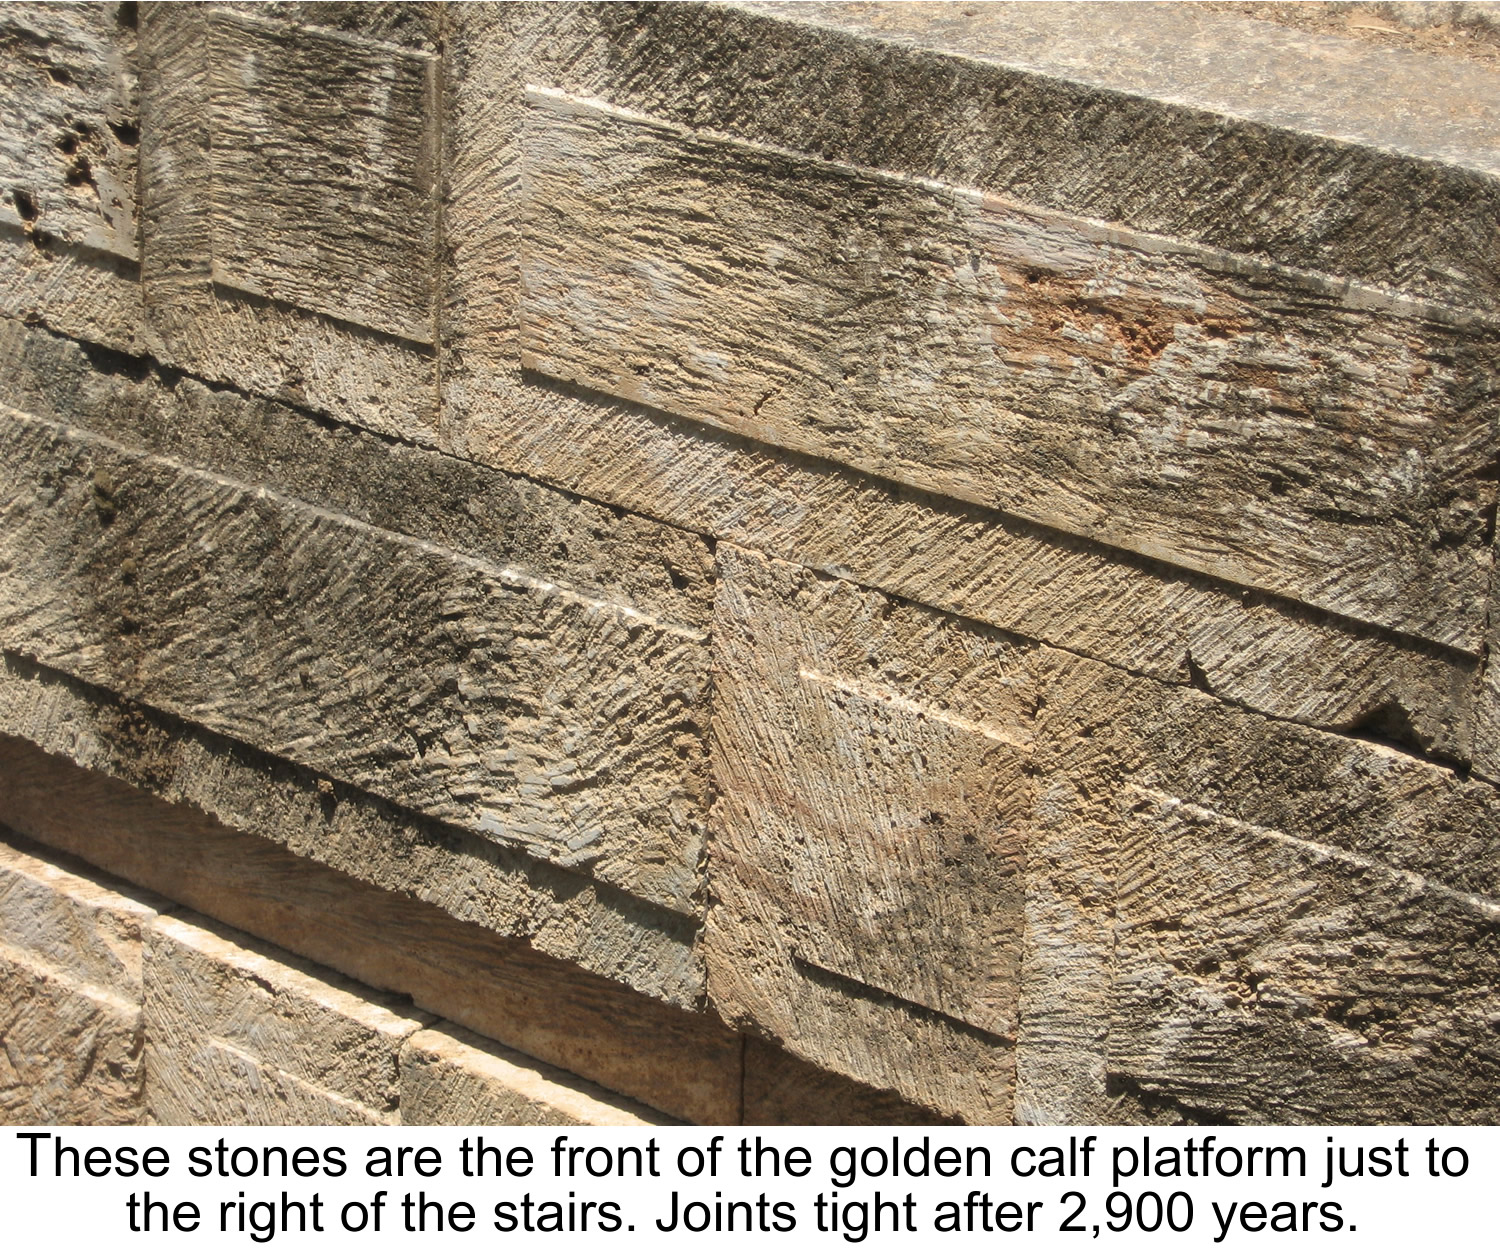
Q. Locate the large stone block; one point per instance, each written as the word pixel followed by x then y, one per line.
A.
pixel 70 223
pixel 72 1051
pixel 872 765
pixel 243 1036
pixel 89 930
pixel 1263 977
pixel 1271 428
pixel 1239 919
pixel 467 507
pixel 323 150
pixel 450 1076
pixel 298 266
pixel 510 706
pixel 1000 605
pixel 70 995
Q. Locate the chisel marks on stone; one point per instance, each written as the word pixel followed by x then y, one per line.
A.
pixel 1260 977
pixel 1272 428
pixel 324 177
pixel 558 723
pixel 852 827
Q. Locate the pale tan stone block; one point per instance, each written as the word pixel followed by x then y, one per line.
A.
pixel 210 995
pixel 452 1076
pixel 70 1052
pixel 70 994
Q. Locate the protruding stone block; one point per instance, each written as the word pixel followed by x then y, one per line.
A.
pixel 244 1036
pixel 1272 428
pixel 519 709
pixel 872 767
pixel 70 995
pixel 451 1076
pixel 324 151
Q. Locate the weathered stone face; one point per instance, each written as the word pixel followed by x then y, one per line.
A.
pixel 957 543
pixel 71 954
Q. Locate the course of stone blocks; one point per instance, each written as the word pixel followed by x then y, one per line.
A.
pixel 118 1011
pixel 792 562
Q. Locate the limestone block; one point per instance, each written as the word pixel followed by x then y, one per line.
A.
pixel 1269 654
pixel 1213 894
pixel 69 213
pixel 525 711
pixel 1263 977
pixel 1175 121
pixel 1100 108
pixel 68 150
pixel 871 761
pixel 72 1051
pixel 467 507
pixel 239 1035
pixel 506 520
pixel 298 266
pixel 564 999
pixel 323 148
pixel 451 1076
pixel 91 931
pixel 1100 726
pixel 1273 429
pixel 501 892
pixel 201 1081
pixel 70 995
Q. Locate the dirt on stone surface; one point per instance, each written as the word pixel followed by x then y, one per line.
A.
pixel 1458 28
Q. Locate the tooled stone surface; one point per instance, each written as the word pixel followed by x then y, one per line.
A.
pixel 654 478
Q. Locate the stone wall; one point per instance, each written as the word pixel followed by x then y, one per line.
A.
pixel 875 562
pixel 120 1008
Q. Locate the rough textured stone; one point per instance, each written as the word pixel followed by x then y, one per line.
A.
pixel 326 201
pixel 499 517
pixel 1214 894
pixel 485 696
pixel 1270 428
pixel 90 930
pixel 72 1052
pixel 1298 118
pixel 782 1089
pixel 959 539
pixel 687 68
pixel 244 1035
pixel 68 151
pixel 71 1030
pixel 465 876
pixel 450 1076
pixel 1260 976
pixel 681 1062
pixel 233 307
pixel 834 859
